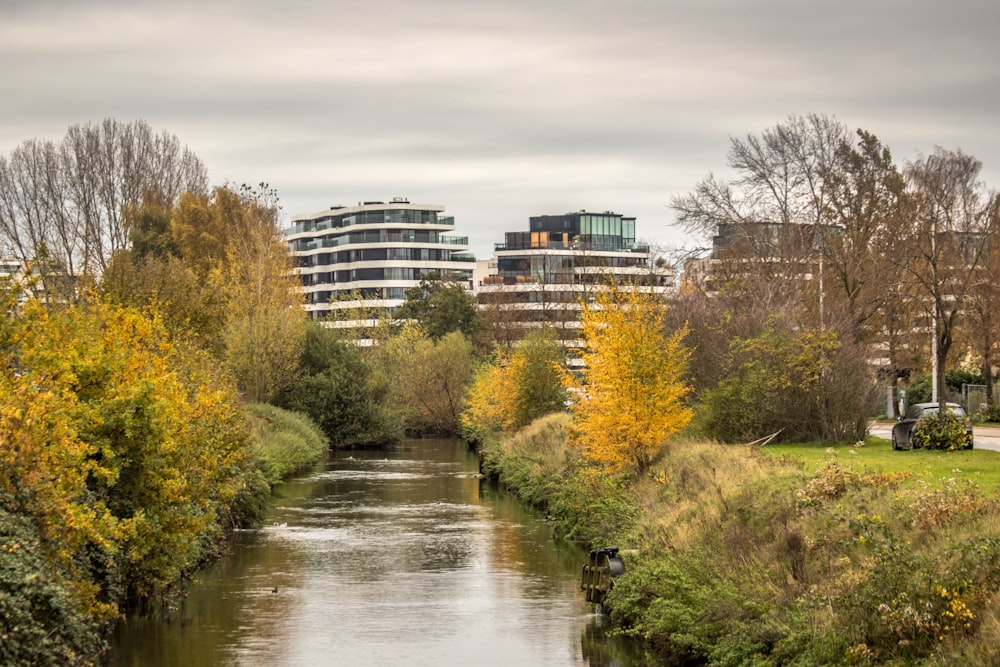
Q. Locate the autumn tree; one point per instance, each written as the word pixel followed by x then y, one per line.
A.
pixel 790 383
pixel 942 245
pixel 807 227
pixel 128 452
pixel 265 323
pixel 983 311
pixel 864 206
pixel 519 385
pixel 152 272
pixel 219 271
pixel 489 402
pixel 427 377
pixel 630 397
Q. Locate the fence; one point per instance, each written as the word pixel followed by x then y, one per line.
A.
pixel 974 397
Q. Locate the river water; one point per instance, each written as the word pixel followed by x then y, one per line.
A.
pixel 387 558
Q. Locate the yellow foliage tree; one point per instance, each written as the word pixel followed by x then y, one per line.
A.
pixel 490 399
pixel 629 399
pixel 217 267
pixel 520 385
pixel 126 453
pixel 265 325
pixel 426 376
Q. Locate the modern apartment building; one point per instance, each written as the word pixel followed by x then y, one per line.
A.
pixel 787 252
pixel 541 275
pixel 368 255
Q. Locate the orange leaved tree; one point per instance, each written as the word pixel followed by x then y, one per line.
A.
pixel 629 398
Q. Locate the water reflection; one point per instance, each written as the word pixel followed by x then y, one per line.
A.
pixel 403 558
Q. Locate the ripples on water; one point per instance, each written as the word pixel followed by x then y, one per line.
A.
pixel 404 558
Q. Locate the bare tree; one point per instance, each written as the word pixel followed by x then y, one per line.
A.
pixel 63 206
pixel 780 178
pixel 769 222
pixel 943 247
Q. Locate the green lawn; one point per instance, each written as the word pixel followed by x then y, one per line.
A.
pixel 877 455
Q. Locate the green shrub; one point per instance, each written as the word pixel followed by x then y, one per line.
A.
pixel 591 507
pixel 991 414
pixel 40 622
pixel 803 384
pixel 339 392
pixel 286 442
pixel 587 505
pixel 919 389
pixel 944 431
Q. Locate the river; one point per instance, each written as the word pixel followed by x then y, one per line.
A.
pixel 393 558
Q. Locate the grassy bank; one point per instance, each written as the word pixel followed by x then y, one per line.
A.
pixel 793 555
pixel 285 443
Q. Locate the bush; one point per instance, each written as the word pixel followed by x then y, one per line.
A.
pixel 919 390
pixel 338 392
pixel 991 414
pixel 588 506
pixel 807 384
pixel 40 623
pixel 285 442
pixel 944 431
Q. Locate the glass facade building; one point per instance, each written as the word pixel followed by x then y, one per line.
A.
pixel 542 275
pixel 372 253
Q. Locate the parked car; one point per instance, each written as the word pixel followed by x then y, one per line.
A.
pixel 903 430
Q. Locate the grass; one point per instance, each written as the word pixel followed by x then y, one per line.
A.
pixel 877 455
pixel 286 443
pixel 785 554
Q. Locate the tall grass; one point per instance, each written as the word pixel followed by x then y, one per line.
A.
pixel 792 555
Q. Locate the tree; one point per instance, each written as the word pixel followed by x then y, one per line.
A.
pixel 805 384
pixel 629 398
pixel 489 404
pixel 127 451
pixel 519 386
pixel 154 273
pixel 500 318
pixel 265 322
pixel 427 377
pixel 807 223
pixel 984 305
pixel 537 365
pixel 864 208
pixel 942 246
pixel 340 392
pixel 441 306
pixel 224 274
pixel 780 178
pixel 64 206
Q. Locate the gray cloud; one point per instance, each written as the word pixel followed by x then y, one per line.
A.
pixel 499 110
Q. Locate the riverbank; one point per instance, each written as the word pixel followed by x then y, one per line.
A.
pixel 740 557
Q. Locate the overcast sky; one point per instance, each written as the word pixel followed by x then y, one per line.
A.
pixel 500 109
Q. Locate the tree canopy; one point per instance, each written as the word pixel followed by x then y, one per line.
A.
pixel 441 306
pixel 629 397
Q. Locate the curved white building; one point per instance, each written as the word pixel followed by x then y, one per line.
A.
pixel 374 251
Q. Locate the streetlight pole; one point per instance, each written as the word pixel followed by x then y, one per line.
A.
pixel 934 314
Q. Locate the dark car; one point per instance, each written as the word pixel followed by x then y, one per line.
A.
pixel 903 430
